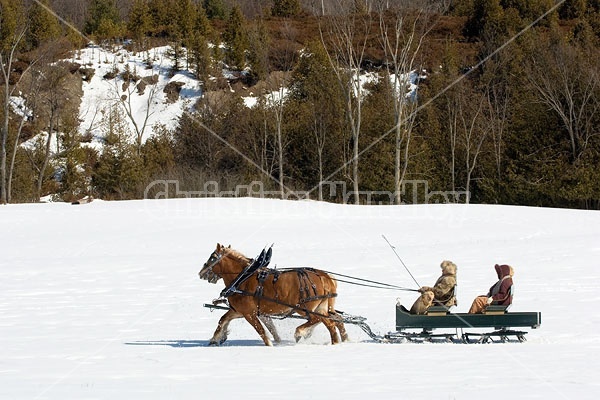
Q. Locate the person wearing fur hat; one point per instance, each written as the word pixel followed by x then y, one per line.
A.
pixel 499 294
pixel 443 290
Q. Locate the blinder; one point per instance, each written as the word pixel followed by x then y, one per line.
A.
pixel 207 272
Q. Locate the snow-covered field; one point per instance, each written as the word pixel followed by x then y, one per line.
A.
pixel 103 300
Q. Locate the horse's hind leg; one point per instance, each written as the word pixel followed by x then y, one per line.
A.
pixel 337 318
pixel 342 329
pixel 330 319
pixel 268 321
pixel 340 325
pixel 305 330
pixel 220 334
pixel 255 322
pixel 330 324
pixel 334 314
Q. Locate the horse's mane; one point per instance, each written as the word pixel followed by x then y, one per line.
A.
pixel 237 255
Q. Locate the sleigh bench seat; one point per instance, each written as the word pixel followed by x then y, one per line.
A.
pixel 495 310
pixel 437 311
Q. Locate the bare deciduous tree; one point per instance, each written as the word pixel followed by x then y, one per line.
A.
pixel 345 39
pixel 402 32
pixel 30 95
pixel 497 105
pixel 277 86
pixel 130 87
pixel 55 98
pixel 11 39
pixel 468 129
pixel 568 82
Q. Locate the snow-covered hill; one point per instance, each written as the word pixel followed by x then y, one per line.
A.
pixel 103 300
pixel 150 105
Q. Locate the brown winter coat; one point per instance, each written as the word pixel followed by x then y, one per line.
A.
pixel 443 289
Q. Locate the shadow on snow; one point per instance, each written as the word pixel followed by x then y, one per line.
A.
pixel 179 343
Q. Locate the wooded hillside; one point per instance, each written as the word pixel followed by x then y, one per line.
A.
pixel 505 107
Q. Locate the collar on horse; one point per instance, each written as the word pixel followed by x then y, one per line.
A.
pixel 261 261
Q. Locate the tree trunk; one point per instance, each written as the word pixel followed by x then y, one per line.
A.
pixel 46 157
pixel 280 158
pixel 12 160
pixel 3 197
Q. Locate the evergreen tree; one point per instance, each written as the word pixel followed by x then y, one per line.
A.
pixel 73 169
pixel 215 9
pixel 157 154
pixel 463 8
pixel 139 21
pixel 486 19
pixel 103 19
pixel 235 39
pixel 202 23
pixel 258 53
pixel 186 20
pixel 177 54
pixel 200 57
pixel 572 9
pixel 118 170
pixel 316 94
pixel 285 8
pixel 43 26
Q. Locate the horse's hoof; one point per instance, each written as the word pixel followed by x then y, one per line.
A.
pixel 219 342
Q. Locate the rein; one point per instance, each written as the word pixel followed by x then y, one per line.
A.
pixel 375 284
pixel 356 281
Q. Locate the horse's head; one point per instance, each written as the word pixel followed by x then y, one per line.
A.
pixel 223 262
pixel 210 270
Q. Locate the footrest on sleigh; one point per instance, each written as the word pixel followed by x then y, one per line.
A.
pixel 502 335
pixel 418 337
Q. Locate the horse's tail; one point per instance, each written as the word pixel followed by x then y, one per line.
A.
pixel 331 282
pixel 330 289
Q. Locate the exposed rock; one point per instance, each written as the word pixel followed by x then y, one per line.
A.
pixel 87 73
pixel 172 90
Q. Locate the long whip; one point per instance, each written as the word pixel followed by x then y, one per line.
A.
pixel 405 267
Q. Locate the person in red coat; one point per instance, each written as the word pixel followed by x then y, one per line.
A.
pixel 499 294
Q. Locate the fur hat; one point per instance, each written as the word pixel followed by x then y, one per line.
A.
pixel 448 267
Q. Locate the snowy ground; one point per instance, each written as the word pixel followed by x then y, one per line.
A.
pixel 103 300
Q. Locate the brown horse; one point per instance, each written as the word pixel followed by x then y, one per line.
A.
pixel 305 291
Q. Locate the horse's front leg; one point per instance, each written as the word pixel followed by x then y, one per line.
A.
pixel 255 322
pixel 220 334
pixel 268 321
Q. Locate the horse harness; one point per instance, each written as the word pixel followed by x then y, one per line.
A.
pixel 308 290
